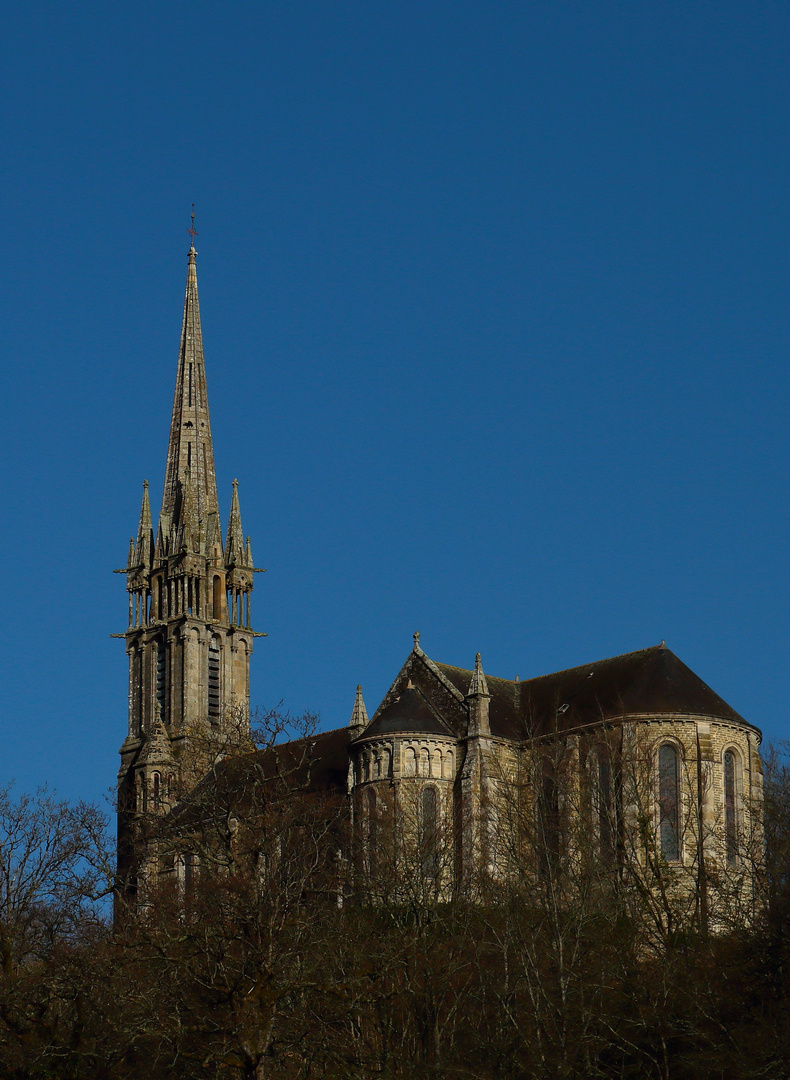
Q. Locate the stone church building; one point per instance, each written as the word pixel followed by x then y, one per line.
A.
pixel 627 760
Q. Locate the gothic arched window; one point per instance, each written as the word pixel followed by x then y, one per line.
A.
pixel 156 786
pixel 548 819
pixel 430 833
pixel 372 828
pixel 189 865
pixel 730 809
pixel 604 803
pixel 669 802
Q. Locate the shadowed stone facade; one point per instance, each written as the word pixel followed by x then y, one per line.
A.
pixel 632 761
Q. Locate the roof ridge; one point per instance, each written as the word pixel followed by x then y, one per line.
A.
pixel 436 669
pixel 562 671
pixel 302 738
pixel 603 660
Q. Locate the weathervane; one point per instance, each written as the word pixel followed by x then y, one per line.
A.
pixel 192 230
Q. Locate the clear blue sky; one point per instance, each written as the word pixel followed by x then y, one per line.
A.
pixel 495 309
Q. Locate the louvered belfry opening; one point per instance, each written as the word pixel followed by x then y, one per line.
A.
pixel 213 681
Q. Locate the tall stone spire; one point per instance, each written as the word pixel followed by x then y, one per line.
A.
pixel 189 638
pixel 190 449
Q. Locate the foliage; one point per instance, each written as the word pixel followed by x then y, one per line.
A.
pixel 281 959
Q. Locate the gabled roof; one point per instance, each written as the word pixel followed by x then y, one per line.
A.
pixel 651 681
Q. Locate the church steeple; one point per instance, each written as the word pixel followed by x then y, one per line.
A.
pixel 189 637
pixel 190 449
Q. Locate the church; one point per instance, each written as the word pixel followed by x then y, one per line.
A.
pixel 632 763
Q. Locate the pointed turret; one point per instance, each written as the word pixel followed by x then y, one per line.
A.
pixel 478 684
pixel 239 569
pixel 154 770
pixel 478 700
pixel 359 715
pixel 157 749
pixel 190 447
pixel 144 549
pixel 234 543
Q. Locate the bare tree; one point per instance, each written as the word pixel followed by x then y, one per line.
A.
pixel 55 873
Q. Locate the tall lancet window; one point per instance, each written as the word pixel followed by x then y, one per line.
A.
pixel 430 833
pixel 730 811
pixel 669 802
pixel 604 802
pixel 372 830
pixel 548 820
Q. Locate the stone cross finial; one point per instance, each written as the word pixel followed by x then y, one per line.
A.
pixel 416 639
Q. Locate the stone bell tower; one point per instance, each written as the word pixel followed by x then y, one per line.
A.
pixel 189 638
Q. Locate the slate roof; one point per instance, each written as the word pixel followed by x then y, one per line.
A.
pixel 411 712
pixel 316 763
pixel 650 681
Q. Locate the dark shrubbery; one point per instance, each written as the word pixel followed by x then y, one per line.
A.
pixel 262 971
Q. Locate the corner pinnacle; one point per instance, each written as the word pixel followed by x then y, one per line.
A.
pixel 478 686
pixel 359 714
